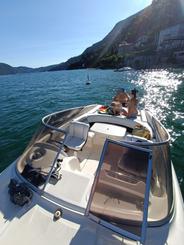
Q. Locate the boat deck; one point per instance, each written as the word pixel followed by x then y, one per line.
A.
pixel 79 167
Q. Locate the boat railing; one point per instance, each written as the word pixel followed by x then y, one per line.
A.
pixel 56 120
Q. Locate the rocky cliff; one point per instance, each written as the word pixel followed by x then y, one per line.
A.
pixel 150 21
pixel 105 54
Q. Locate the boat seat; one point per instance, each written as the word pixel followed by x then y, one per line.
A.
pixel 76 136
pixel 118 120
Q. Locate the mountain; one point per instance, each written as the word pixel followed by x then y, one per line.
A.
pixel 132 42
pixel 91 56
pixel 44 68
pixel 148 22
pixel 6 69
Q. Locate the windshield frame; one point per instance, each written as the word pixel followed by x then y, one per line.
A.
pixel 92 109
pixel 44 126
pixel 146 196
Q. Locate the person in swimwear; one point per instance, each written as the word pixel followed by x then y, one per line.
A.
pixel 122 97
pixel 132 105
pixel 115 108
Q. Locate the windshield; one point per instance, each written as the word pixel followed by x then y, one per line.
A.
pixel 42 161
pixel 121 192
pixel 44 150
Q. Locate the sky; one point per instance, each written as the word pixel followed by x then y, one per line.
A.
pixel 37 33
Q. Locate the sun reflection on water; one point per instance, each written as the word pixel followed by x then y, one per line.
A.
pixel 158 87
pixel 163 95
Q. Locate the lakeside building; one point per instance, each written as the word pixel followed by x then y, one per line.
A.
pixel 166 48
pixel 142 61
pixel 171 38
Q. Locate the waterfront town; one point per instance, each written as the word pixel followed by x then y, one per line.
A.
pixel 167 47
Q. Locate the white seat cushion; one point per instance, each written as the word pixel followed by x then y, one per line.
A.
pixel 76 136
pixel 74 143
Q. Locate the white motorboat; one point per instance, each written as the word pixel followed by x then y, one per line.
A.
pixel 122 69
pixel 88 178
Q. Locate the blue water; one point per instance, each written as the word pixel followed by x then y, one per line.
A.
pixel 26 98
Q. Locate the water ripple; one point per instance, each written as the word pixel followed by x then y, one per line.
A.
pixel 26 98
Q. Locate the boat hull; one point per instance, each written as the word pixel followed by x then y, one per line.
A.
pixel 34 223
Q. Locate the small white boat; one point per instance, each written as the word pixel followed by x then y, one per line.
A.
pixel 89 179
pixel 124 69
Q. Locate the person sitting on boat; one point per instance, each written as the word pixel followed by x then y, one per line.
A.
pixel 132 105
pixel 115 108
pixel 122 97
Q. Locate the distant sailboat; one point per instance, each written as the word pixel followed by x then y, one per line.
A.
pixel 88 82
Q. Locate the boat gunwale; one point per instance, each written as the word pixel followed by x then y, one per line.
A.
pixel 42 191
pixel 135 143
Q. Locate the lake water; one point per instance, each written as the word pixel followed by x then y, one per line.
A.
pixel 26 98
